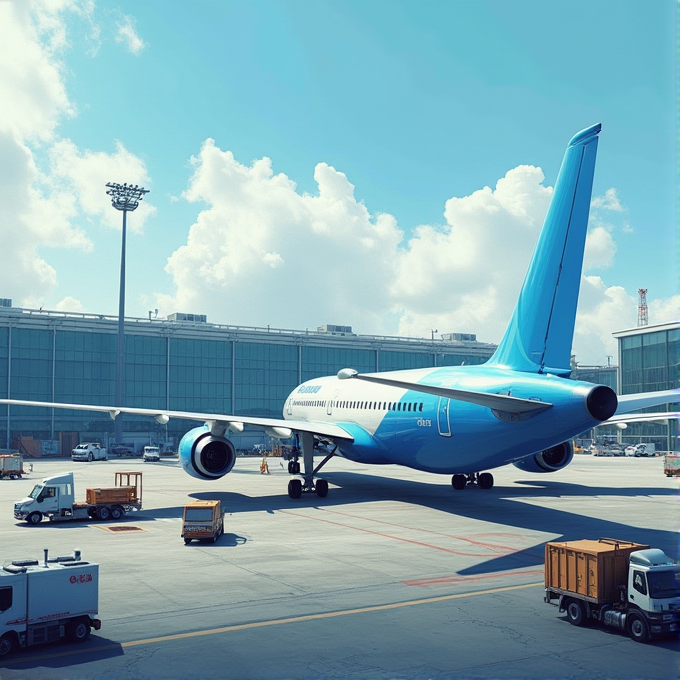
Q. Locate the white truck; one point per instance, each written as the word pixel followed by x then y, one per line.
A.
pixel 54 497
pixel 89 452
pixel 48 601
pixel 618 583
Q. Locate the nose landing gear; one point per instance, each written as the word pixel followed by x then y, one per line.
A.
pixel 483 480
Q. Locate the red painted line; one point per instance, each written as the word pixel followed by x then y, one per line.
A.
pixel 422 544
pixel 491 546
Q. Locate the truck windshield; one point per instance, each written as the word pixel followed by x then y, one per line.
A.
pixel 36 491
pixel 198 515
pixel 664 583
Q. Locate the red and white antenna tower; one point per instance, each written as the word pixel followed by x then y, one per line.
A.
pixel 643 314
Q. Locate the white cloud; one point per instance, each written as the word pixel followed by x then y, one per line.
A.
pixel 263 253
pixel 127 35
pixel 49 189
pixel 609 201
pixel 69 304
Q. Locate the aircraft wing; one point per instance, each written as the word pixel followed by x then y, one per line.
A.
pixel 642 418
pixel 235 422
pixel 633 402
pixel 499 402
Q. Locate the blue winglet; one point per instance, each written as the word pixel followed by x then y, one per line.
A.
pixel 541 330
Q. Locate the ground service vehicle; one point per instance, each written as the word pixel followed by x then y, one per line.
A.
pixel 618 583
pixel 671 464
pixel 203 520
pixel 151 453
pixel 11 465
pixel 46 602
pixel 89 452
pixel 54 498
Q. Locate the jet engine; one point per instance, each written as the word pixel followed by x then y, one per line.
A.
pixel 551 460
pixel 206 456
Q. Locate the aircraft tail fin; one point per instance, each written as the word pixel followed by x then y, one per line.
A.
pixel 540 334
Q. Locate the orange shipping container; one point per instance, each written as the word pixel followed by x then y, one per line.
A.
pixel 591 569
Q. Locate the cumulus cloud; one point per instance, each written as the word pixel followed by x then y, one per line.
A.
pixel 49 189
pixel 127 34
pixel 609 201
pixel 261 252
pixel 69 304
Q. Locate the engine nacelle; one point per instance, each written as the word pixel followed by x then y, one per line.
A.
pixel 551 460
pixel 206 456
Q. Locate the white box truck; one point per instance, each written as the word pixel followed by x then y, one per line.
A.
pixel 47 601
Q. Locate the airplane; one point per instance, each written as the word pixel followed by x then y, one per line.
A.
pixel 519 407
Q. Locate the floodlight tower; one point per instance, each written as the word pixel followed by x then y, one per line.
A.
pixel 124 197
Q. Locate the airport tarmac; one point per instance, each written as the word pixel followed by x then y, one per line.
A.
pixel 394 575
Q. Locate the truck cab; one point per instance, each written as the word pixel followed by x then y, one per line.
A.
pixel 654 590
pixel 50 496
pixel 203 521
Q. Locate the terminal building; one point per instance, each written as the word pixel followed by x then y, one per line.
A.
pixel 182 363
pixel 185 363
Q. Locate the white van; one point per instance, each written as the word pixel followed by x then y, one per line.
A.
pixel 151 453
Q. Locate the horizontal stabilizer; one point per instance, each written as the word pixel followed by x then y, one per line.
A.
pixel 498 402
pixel 634 402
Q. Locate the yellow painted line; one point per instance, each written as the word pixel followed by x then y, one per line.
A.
pixel 274 622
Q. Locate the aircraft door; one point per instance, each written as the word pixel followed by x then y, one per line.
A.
pixel 443 417
pixel 329 406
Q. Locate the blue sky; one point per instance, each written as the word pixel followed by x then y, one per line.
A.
pixel 302 155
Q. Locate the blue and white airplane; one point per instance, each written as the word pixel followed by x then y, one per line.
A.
pixel 520 407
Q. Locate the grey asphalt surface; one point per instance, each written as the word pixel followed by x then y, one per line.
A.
pixel 394 575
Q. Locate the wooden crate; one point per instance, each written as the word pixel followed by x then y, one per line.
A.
pixel 591 569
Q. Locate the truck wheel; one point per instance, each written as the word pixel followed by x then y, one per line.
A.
pixel 187 541
pixel 117 512
pixel 104 513
pixel 78 631
pixel 576 613
pixel 34 518
pixel 637 627
pixel 8 643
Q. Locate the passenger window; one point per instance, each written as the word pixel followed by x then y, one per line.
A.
pixel 5 598
pixel 640 582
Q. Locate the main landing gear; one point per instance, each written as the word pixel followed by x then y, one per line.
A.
pixel 308 483
pixel 483 480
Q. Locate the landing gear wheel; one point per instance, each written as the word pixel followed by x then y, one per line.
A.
pixel 321 488
pixel 7 644
pixel 576 613
pixel 78 631
pixel 294 467
pixel 485 480
pixel 104 514
pixel 295 488
pixel 117 512
pixel 34 518
pixel 637 628
pixel 458 482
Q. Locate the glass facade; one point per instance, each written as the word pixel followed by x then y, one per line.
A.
pixel 180 366
pixel 649 360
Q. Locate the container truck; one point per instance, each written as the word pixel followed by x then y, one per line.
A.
pixel 618 583
pixel 54 498
pixel 48 601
